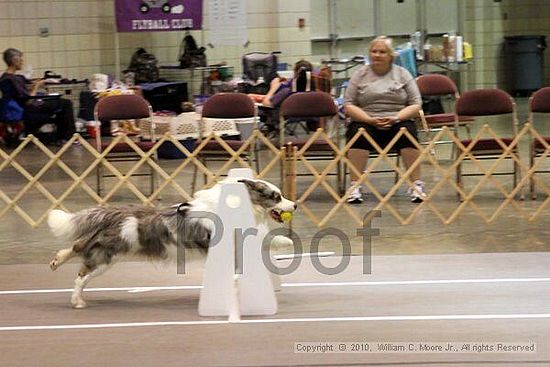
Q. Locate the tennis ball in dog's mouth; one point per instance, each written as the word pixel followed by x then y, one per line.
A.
pixel 286 216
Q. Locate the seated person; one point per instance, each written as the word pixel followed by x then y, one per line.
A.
pixel 37 112
pixel 279 90
pixel 382 98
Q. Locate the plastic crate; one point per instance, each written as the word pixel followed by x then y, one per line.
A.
pixel 183 127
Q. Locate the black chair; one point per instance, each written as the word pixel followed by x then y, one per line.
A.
pixel 258 66
pixel 11 120
pixel 433 87
pixel 12 127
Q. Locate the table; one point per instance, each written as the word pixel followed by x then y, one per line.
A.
pixel 197 78
pixel 445 66
pixel 69 91
pixel 449 68
pixel 165 95
pixel 343 68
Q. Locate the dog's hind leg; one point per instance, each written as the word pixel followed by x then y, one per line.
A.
pixel 68 253
pixel 84 276
pixel 61 257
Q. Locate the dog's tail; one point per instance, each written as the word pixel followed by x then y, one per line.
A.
pixel 61 223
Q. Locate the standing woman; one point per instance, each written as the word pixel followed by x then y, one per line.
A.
pixel 382 98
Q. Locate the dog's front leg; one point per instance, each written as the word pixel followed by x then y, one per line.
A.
pixel 79 284
pixel 279 241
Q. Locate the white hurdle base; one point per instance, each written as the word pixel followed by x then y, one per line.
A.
pixel 248 173
pixel 224 293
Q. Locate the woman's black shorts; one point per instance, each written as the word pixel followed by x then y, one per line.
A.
pixel 382 137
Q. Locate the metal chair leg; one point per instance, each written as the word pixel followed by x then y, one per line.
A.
pixel 459 178
pixel 531 180
pixel 468 131
pixel 396 178
pixel 340 178
pixel 194 181
pixel 517 178
pixel 153 180
pixel 99 177
pixel 257 157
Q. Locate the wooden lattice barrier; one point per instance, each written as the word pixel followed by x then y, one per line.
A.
pixel 122 179
pixel 446 174
pixel 284 162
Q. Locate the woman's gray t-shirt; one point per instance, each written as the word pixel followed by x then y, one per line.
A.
pixel 382 95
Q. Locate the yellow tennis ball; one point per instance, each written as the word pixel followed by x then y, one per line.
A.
pixel 286 216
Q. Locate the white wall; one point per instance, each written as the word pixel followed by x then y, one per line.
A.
pixel 486 25
pixel 82 38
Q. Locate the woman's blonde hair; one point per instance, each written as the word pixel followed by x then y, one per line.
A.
pixel 387 42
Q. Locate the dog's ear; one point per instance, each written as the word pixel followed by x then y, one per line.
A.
pixel 183 207
pixel 250 184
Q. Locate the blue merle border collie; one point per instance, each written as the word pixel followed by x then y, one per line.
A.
pixel 101 236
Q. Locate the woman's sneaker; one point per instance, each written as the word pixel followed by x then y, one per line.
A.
pixel 355 196
pixel 416 192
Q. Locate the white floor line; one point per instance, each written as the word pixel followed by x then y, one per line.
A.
pixel 274 321
pixel 290 285
pixel 111 289
pixel 305 254
pixel 418 282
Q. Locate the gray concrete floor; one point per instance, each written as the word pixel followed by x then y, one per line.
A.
pixel 411 299
pixel 468 249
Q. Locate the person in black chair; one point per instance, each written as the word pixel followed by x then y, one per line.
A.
pixel 37 111
pixel 279 90
pixel 382 98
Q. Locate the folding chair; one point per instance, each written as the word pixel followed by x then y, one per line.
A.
pixel 439 85
pixel 538 103
pixel 304 105
pixel 487 102
pixel 304 81
pixel 123 107
pixel 258 65
pixel 219 115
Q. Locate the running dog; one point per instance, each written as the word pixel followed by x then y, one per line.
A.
pixel 101 236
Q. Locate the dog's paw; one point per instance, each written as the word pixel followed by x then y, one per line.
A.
pixel 79 304
pixel 54 264
pixel 281 241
